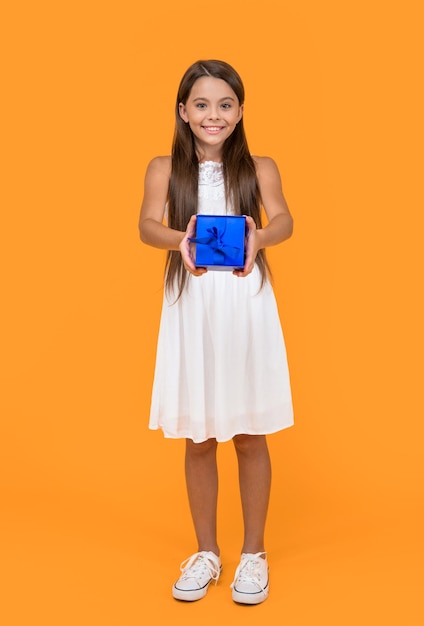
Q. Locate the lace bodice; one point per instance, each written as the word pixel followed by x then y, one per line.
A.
pixel 211 199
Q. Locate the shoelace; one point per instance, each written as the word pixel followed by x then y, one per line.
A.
pixel 198 564
pixel 247 571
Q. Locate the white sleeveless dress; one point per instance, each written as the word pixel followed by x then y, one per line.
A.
pixel 221 366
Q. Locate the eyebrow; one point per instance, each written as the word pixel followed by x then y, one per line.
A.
pixel 220 100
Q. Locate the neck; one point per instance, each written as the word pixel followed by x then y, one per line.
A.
pixel 209 155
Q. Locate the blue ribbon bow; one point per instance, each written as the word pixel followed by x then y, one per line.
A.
pixel 222 252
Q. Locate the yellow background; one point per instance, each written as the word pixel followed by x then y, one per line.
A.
pixel 94 515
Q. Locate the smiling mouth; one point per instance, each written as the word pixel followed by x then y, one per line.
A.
pixel 212 129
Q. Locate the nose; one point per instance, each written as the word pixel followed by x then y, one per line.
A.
pixel 213 113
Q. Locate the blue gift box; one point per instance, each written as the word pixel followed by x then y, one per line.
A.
pixel 220 241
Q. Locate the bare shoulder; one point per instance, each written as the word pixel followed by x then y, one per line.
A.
pixel 160 165
pixel 266 167
pixel 270 187
pixel 267 173
pixel 156 183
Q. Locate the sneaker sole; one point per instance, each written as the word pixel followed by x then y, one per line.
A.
pixel 190 595
pixel 249 598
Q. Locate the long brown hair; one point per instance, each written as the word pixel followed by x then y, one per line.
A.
pixel 241 183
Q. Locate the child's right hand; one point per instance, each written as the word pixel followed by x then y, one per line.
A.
pixel 187 249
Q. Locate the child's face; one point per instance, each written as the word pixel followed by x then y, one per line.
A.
pixel 212 110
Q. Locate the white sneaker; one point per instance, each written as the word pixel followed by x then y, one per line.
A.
pixel 198 571
pixel 251 581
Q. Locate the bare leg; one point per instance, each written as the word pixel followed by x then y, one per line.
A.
pixel 255 484
pixel 202 487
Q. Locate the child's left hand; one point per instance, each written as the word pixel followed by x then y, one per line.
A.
pixel 252 247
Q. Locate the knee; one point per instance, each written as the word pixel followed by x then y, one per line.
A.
pixel 246 444
pixel 200 449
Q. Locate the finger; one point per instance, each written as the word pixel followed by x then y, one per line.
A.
pixel 250 224
pixel 244 272
pixel 198 271
pixel 191 226
pixel 188 263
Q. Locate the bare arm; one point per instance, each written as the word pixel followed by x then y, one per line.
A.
pixel 280 221
pixel 152 229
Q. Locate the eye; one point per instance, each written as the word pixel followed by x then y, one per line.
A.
pixel 226 105
pixel 200 105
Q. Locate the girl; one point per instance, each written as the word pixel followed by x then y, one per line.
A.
pixel 221 369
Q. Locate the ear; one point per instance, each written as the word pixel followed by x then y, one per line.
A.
pixel 182 112
pixel 240 115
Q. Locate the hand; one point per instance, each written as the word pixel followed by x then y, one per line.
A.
pixel 187 249
pixel 252 247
